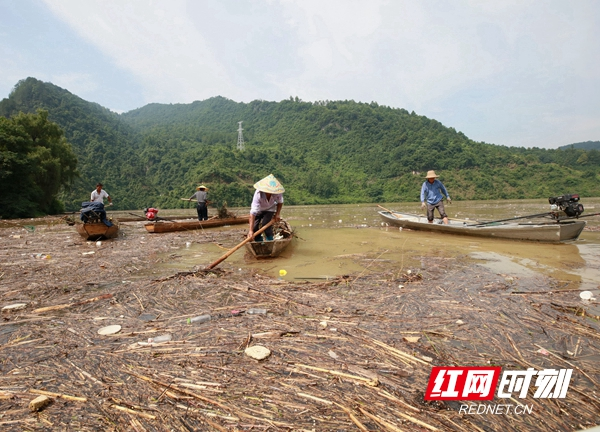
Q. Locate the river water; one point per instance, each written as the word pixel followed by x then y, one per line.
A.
pixel 336 240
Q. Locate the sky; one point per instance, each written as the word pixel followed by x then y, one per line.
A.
pixel 523 73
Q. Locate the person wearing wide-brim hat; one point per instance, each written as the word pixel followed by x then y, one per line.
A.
pixel 202 202
pixel 266 205
pixel 432 198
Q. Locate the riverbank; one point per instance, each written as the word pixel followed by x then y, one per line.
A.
pixel 352 353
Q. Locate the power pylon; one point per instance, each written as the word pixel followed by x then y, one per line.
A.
pixel 240 144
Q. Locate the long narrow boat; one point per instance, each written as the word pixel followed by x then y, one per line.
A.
pixel 171 226
pixel 283 235
pixel 97 230
pixel 160 218
pixel 548 232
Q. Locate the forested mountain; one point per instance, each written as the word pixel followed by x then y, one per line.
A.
pixel 587 145
pixel 324 152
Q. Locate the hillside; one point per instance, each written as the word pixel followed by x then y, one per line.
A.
pixel 326 152
pixel 588 145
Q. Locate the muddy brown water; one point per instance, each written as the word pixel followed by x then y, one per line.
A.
pixel 339 240
pixel 334 240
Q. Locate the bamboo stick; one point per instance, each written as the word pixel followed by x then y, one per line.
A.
pixel 68 305
pixel 130 411
pixel 58 395
pixel 369 381
pixel 387 425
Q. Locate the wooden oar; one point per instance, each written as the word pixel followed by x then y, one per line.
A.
pixel 224 257
pixel 390 211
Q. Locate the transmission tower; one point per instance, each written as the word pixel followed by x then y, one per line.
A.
pixel 240 144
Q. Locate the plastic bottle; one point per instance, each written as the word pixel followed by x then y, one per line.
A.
pixel 163 338
pixel 199 319
pixel 256 311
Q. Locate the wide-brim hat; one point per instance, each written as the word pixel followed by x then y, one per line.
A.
pixel 269 185
pixel 431 174
pixel 201 187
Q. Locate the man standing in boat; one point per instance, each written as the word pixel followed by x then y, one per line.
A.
pixel 99 194
pixel 432 198
pixel 202 202
pixel 266 205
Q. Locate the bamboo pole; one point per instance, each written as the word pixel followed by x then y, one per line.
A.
pixel 388 210
pixel 224 257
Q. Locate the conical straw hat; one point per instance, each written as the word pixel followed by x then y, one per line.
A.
pixel 201 187
pixel 269 185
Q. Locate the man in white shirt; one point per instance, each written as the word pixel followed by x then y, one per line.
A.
pixel 99 194
pixel 266 205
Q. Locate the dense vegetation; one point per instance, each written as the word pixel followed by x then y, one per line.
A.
pixel 323 152
pixel 36 161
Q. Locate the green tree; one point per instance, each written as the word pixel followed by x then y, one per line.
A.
pixel 36 161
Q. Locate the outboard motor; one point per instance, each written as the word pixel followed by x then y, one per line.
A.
pixel 151 213
pixel 567 203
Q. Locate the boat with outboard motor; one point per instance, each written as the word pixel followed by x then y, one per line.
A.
pixel 549 232
pixel 560 224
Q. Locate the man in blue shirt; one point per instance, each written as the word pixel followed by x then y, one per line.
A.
pixel 431 196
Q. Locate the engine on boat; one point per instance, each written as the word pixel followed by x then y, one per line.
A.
pixel 569 204
pixel 150 213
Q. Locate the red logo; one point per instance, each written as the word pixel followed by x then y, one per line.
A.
pixel 462 383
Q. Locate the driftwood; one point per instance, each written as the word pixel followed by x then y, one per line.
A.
pixel 348 353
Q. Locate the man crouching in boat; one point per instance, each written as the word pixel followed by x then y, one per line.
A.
pixel 266 205
pixel 431 193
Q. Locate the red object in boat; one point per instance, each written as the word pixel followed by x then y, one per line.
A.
pixel 151 213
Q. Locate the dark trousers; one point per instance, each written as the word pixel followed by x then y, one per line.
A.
pixel 438 205
pixel 202 211
pixel 262 219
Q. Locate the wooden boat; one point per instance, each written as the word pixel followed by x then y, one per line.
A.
pixel 549 232
pixel 283 235
pixel 97 230
pixel 160 218
pixel 171 226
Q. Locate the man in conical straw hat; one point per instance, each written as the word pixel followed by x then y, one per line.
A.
pixel 202 202
pixel 432 198
pixel 266 205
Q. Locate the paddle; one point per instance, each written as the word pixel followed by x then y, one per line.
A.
pixel 226 255
pixel 390 211
pixel 511 219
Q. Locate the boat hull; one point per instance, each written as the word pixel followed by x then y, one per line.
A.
pixel 171 226
pixel 554 232
pixel 97 231
pixel 268 249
